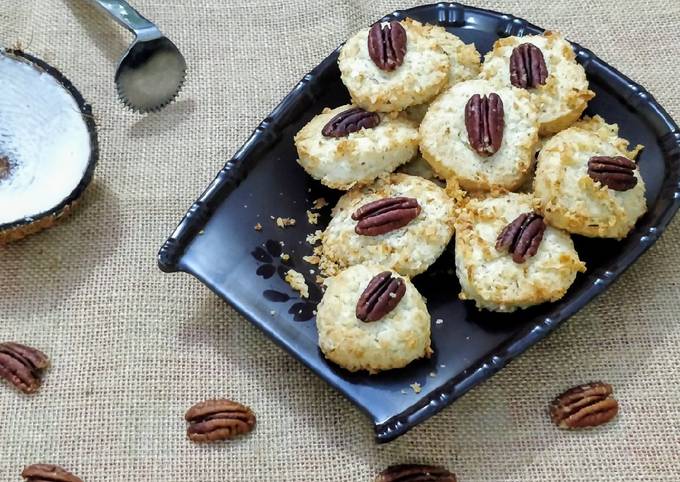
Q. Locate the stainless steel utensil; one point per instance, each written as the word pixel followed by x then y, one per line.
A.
pixel 151 73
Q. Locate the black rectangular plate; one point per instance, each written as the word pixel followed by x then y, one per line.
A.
pixel 244 266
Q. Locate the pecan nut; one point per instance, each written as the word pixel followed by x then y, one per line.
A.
pixel 48 473
pixel 22 366
pixel 415 473
pixel 215 420
pixel 350 120
pixel 484 121
pixel 522 237
pixel 387 45
pixel 584 406
pixel 616 173
pixel 385 215
pixel 382 295
pixel 527 67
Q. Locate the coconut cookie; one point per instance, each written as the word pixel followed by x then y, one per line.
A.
pixel 393 65
pixel 402 222
pixel 482 134
pixel 588 183
pixel 507 257
pixel 371 318
pixel 348 145
pixel 544 65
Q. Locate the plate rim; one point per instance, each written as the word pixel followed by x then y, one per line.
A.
pixel 449 14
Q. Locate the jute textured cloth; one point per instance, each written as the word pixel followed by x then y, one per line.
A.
pixel 133 348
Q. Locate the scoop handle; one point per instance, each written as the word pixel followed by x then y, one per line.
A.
pixel 127 16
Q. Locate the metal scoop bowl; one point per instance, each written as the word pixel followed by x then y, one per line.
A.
pixel 152 71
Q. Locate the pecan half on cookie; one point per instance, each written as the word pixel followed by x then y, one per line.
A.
pixel 215 420
pixel 387 45
pixel 22 366
pixel 616 173
pixel 351 120
pixel 385 215
pixel 381 296
pixel 584 406
pixel 484 121
pixel 527 67
pixel 522 237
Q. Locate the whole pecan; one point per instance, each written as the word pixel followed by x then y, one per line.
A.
pixel 22 366
pixel 484 121
pixel 387 45
pixel 215 420
pixel 527 67
pixel 614 172
pixel 382 295
pixel 48 473
pixel 415 473
pixel 584 406
pixel 350 120
pixel 522 237
pixel 385 215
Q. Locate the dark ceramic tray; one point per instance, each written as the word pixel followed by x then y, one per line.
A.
pixel 216 241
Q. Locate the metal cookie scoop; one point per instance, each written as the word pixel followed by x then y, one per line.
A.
pixel 151 73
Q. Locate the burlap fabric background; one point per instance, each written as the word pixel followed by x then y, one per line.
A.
pixel 133 348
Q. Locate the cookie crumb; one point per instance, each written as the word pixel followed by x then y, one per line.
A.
pixel 313 218
pixel 285 222
pixel 319 203
pixel 415 386
pixel 314 237
pixel 320 279
pixel 311 259
pixel 433 374
pixel 201 232
pixel 439 321
pixel 318 250
pixel 403 391
pixel 285 256
pixel 392 295
pixel 442 366
pixel 272 312
pixel 297 282
pixel 258 227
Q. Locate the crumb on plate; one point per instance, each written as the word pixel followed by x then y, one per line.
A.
pixel 314 259
pixel 319 203
pixel 313 218
pixel 297 282
pixel 313 238
pixel 285 222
